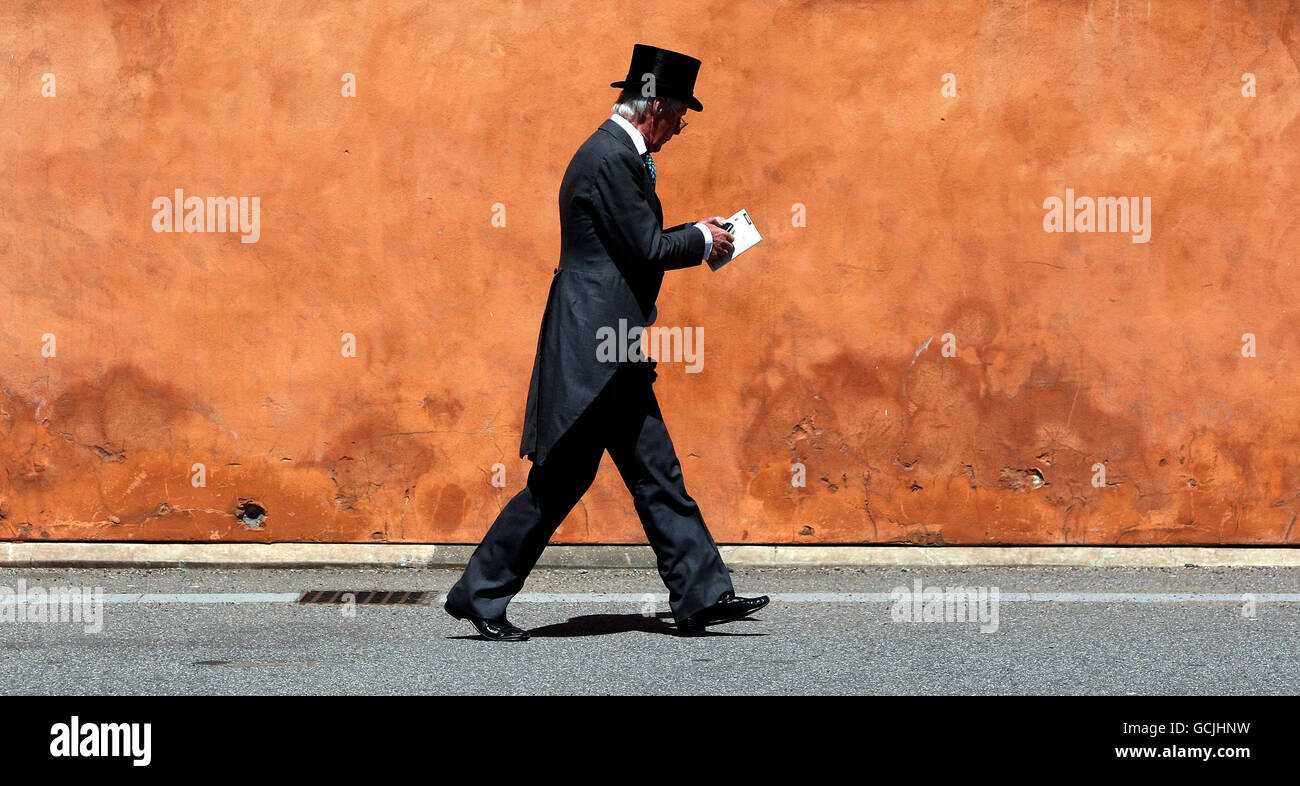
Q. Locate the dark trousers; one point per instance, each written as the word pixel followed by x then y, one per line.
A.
pixel 625 420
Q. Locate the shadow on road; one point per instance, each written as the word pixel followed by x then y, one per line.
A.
pixel 607 624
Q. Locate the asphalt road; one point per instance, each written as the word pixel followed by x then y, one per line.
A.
pixel 827 631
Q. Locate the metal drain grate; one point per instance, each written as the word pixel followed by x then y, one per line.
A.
pixel 369 597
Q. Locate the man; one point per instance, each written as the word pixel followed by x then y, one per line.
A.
pixel 613 255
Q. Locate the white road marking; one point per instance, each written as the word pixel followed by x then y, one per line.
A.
pixel 782 597
pixel 887 597
pixel 208 597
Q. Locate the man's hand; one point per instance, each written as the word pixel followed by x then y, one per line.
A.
pixel 722 239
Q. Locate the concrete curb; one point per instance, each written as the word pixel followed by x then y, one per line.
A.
pixel 367 555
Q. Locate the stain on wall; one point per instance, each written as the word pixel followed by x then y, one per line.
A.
pixel 944 369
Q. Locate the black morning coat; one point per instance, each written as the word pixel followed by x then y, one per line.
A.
pixel 613 254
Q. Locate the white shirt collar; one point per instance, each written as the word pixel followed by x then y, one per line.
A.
pixel 637 139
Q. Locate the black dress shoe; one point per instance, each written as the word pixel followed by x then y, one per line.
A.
pixel 729 609
pixel 498 629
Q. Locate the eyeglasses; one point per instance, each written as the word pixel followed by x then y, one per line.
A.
pixel 681 122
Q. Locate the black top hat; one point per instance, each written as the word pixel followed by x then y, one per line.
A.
pixel 674 73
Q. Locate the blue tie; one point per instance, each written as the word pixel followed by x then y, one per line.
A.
pixel 650 164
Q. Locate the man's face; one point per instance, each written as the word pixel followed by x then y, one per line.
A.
pixel 664 125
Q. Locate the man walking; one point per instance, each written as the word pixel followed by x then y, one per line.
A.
pixel 614 252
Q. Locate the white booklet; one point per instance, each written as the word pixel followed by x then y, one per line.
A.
pixel 746 234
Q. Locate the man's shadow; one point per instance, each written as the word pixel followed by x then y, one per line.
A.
pixel 607 624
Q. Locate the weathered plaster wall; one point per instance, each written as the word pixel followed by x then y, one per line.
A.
pixel 824 346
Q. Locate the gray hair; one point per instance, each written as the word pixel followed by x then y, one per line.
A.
pixel 634 106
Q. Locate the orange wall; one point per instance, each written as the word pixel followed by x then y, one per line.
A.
pixel 823 346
